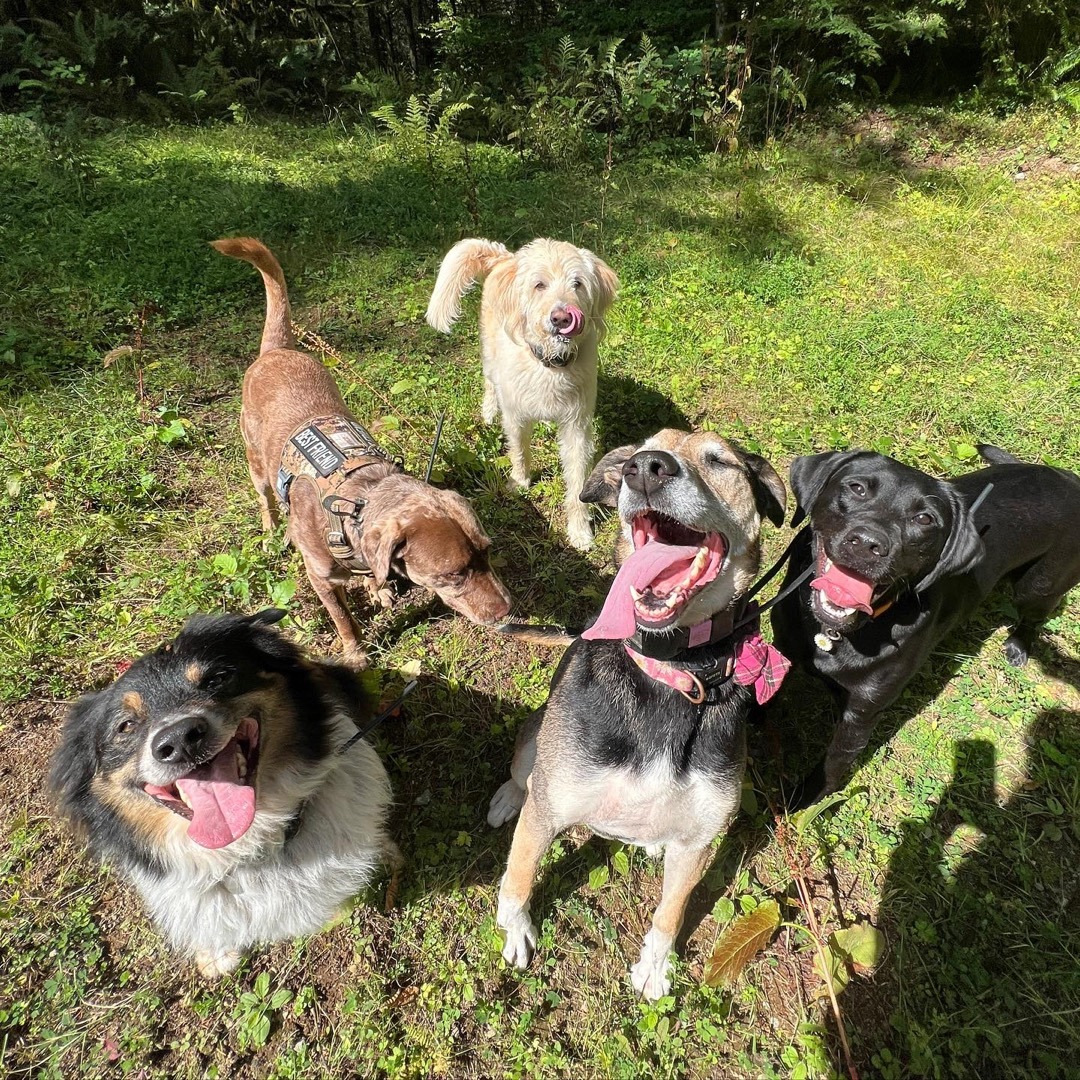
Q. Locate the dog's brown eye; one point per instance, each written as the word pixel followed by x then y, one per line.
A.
pixel 924 519
pixel 125 727
pixel 540 286
pixel 857 488
pixel 575 284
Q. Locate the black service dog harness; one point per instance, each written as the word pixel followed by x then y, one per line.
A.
pixel 325 452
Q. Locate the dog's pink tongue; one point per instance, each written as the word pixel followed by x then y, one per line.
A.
pixel 643 568
pixel 222 806
pixel 846 588
pixel 577 321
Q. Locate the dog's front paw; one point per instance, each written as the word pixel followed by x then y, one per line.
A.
pixel 212 965
pixel 355 657
pixel 651 975
pixel 1016 652
pixel 580 534
pixel 505 804
pixel 520 941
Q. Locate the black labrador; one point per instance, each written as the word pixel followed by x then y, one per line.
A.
pixel 900 559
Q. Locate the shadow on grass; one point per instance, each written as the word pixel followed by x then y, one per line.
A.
pixel 806 714
pixel 979 916
pixel 146 219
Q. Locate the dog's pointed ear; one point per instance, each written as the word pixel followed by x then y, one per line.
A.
pixel 810 474
pixel 378 544
pixel 770 493
pixel 607 286
pixel 605 479
pixel 964 547
pixel 268 616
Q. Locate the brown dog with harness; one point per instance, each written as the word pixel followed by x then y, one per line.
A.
pixel 354 514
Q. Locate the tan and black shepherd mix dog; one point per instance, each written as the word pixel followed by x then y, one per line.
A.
pixel 644 750
pixel 387 523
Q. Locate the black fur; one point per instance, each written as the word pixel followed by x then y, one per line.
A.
pixel 238 655
pixel 1024 532
pixel 620 717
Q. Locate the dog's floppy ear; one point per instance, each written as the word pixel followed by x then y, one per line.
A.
pixel 76 758
pixel 509 308
pixel 461 510
pixel 809 475
pixel 770 494
pixel 963 549
pixel 605 479
pixel 378 544
pixel 607 285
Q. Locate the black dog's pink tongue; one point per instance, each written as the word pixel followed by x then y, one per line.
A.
pixel 845 588
pixel 642 569
pixel 222 805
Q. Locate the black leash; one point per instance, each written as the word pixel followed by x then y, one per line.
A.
pixel 384 715
pixel 772 572
pixel 435 447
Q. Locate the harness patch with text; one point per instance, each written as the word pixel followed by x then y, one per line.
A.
pixel 318 450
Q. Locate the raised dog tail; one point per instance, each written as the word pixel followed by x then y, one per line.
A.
pixel 465 263
pixel 994 455
pixel 277 330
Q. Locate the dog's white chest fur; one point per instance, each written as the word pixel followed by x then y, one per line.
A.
pixel 651 807
pixel 223 902
pixel 527 391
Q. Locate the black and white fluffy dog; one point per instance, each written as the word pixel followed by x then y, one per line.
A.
pixel 209 774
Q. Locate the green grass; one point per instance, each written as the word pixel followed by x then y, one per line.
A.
pixel 888 285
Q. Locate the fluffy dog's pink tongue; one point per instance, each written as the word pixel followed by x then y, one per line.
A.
pixel 845 588
pixel 652 564
pixel 577 321
pixel 222 805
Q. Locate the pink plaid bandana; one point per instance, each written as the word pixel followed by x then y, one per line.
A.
pixel 757 663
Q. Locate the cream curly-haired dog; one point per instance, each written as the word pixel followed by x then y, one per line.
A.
pixel 541 317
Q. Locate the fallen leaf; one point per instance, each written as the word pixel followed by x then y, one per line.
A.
pixel 740 942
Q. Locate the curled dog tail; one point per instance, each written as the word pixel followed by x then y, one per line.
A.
pixel 994 455
pixel 465 263
pixel 277 330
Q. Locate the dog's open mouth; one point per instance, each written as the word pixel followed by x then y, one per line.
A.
pixel 670 565
pixel 218 796
pixel 839 594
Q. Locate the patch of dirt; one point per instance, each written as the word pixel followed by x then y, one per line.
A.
pixel 877 128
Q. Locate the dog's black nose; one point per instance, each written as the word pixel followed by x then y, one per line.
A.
pixel 648 470
pixel 181 742
pixel 561 318
pixel 869 542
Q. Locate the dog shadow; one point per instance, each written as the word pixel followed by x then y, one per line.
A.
pixel 806 713
pixel 978 911
pixel 628 411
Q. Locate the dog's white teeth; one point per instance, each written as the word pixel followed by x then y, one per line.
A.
pixel 828 564
pixel 700 559
pixel 183 798
pixel 635 594
pixel 241 763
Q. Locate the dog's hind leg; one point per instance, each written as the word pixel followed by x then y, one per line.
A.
pixel 684 867
pixel 532 838
pixel 1036 593
pixel 507 801
pixel 576 453
pixel 263 484
pixel 519 446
